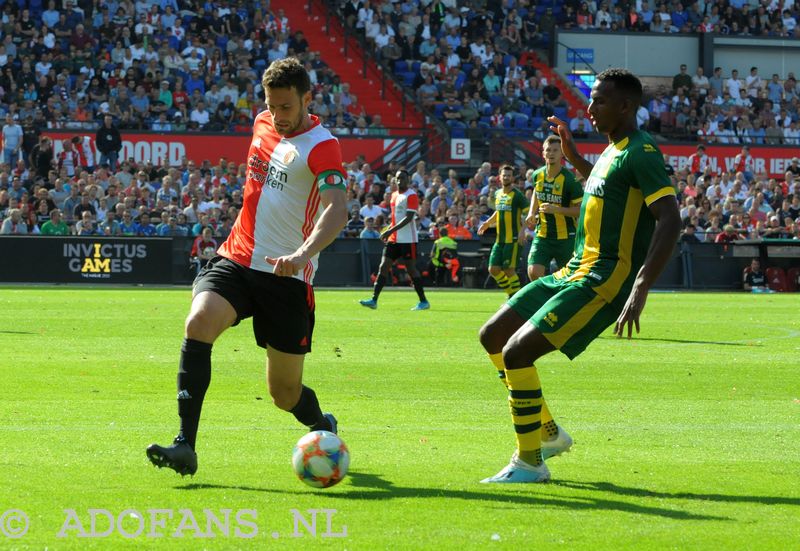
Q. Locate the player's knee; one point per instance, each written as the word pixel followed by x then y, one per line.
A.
pixel 285 397
pixel 487 336
pixel 516 355
pixel 494 270
pixel 201 325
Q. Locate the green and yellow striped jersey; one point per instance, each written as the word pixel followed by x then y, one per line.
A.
pixel 509 206
pixel 564 191
pixel 615 225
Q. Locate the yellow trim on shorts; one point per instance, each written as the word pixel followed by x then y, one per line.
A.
pixel 577 322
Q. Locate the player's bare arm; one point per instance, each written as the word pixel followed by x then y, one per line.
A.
pixel 665 235
pixel 401 224
pixel 488 224
pixel 532 218
pixel 333 219
pixel 568 146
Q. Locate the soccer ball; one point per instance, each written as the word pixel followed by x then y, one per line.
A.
pixel 320 459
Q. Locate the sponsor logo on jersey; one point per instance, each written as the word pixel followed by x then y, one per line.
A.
pixel 551 319
pixel 267 174
pixel 290 156
pixel 595 186
pixel 648 148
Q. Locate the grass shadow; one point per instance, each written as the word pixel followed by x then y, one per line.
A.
pixel 680 341
pixel 367 486
pixel 4 332
pixel 612 488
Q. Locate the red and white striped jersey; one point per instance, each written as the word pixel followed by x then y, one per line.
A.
pixel 285 175
pixel 403 203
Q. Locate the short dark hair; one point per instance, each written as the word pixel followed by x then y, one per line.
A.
pixel 287 73
pixel 624 81
pixel 506 167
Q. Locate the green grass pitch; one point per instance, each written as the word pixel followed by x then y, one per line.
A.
pixel 685 438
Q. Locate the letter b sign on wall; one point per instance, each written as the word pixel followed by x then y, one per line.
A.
pixel 460 149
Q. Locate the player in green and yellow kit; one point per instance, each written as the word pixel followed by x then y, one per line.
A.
pixel 509 207
pixel 556 204
pixel 627 229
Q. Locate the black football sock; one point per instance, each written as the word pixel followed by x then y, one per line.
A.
pixel 194 376
pixel 380 281
pixel 417 281
pixel 308 412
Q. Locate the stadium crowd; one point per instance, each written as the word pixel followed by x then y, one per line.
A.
pixel 165 65
pixel 465 63
pixel 105 58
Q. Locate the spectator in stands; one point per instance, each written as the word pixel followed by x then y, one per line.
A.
pixel 14 224
pixel 12 140
pixel 728 235
pixel 369 231
pixel 55 225
pixel 108 142
pixel 682 80
pixel 579 125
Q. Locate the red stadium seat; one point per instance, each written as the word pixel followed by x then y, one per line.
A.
pixel 793 279
pixel 776 279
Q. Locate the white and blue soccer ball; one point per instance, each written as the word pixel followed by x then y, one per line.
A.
pixel 320 459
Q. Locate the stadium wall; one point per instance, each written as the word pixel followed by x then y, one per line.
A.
pixel 346 262
pixel 172 148
pixel 654 55
pixel 646 54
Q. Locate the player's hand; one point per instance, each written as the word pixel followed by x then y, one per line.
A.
pixel 631 312
pixel 385 235
pixel 287 266
pixel 521 238
pixel 567 142
pixel 547 208
pixel 481 229
pixel 530 222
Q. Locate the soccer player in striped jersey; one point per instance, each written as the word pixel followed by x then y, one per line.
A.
pixel 401 242
pixel 294 206
pixel 627 229
pixel 509 208
pixel 556 204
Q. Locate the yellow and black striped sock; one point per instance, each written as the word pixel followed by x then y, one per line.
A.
pixel 502 281
pixel 513 284
pixel 525 403
pixel 497 362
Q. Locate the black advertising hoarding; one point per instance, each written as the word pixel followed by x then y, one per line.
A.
pixel 39 259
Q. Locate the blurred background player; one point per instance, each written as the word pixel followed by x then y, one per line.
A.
pixel 401 242
pixel 266 266
pixel 509 206
pixel 556 204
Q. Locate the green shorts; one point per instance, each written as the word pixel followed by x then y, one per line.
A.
pixel 504 255
pixel 544 249
pixel 569 315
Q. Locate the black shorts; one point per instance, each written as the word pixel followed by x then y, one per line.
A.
pixel 282 307
pixel 394 251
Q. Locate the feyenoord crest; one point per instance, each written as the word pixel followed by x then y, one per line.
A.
pixel 334 179
pixel 290 156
